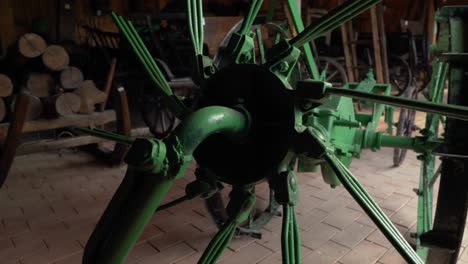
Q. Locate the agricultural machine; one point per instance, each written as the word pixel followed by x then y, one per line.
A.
pixel 256 120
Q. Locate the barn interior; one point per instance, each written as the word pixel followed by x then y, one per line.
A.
pixel 246 131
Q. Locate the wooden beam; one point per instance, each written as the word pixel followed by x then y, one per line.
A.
pixel 62 143
pixel 91 120
pixel 54 144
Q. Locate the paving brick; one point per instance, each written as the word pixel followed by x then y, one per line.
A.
pixel 394 202
pixel 73 259
pixel 318 235
pixel 276 258
pixel 49 209
pixel 365 252
pixel 200 240
pixel 169 222
pixel 334 203
pixel 392 257
pixel 405 217
pixel 352 235
pixel 274 225
pixel 378 237
pixel 140 251
pixel 251 254
pixel 464 255
pixel 342 217
pixel 173 237
pixel 169 255
pixel 308 203
pixel 15 225
pixel 270 240
pixel 23 248
pixel 328 253
pixel 150 231
pixel 365 219
pixel 238 243
pixel 5 244
pixel 310 219
pixel 196 256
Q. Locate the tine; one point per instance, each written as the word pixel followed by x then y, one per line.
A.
pixel 332 20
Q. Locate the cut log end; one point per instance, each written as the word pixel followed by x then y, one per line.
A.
pixel 40 84
pixel 55 58
pixel 35 108
pixel 31 45
pixel 67 104
pixel 6 86
pixel 71 78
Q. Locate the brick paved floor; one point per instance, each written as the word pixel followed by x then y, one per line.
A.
pixel 51 202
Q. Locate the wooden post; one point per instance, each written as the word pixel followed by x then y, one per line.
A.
pixel 383 42
pixel 431 38
pixel 347 53
pixel 14 132
pixel 124 126
pixel 378 44
pixel 109 81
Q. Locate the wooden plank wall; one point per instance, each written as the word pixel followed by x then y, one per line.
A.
pixel 16 16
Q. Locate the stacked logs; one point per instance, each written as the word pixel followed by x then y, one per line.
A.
pixel 57 88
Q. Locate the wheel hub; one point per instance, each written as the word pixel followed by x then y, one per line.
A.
pixel 264 96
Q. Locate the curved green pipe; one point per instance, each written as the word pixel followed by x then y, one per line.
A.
pixel 207 121
pixel 141 193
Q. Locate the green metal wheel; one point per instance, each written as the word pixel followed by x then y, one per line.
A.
pixel 255 121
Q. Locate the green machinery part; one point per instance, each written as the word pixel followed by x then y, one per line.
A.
pixel 249 110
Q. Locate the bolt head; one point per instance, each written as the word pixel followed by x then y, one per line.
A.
pixel 210 70
pixel 283 66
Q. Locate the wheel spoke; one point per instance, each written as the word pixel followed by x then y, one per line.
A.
pixel 250 17
pixel 299 26
pixel 372 209
pixel 152 69
pixel 330 77
pixel 366 202
pixel 332 20
pixel 195 24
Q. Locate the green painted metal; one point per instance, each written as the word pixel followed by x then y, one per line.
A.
pixel 425 190
pixel 332 20
pixel 195 22
pixel 317 125
pixel 105 134
pixel 299 25
pixel 150 65
pixel 368 204
pixel 290 238
pixel 240 210
pixel 453 111
pixel 148 179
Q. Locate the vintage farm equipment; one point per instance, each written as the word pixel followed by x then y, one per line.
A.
pixel 254 121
